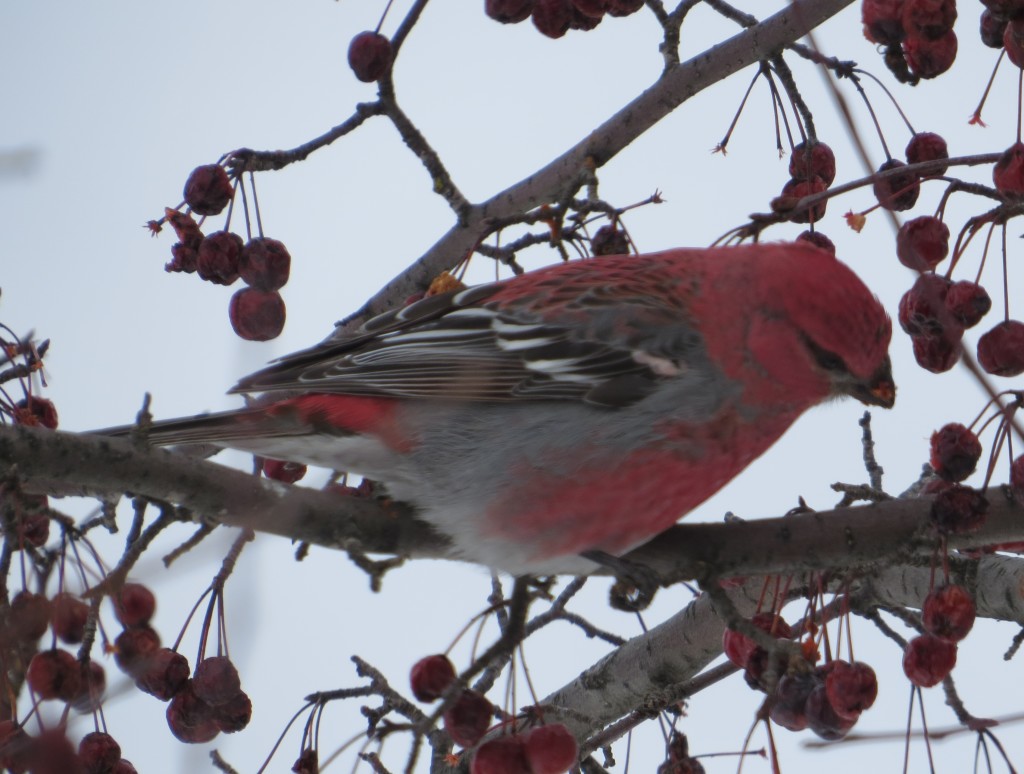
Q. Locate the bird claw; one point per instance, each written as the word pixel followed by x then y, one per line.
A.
pixel 635 584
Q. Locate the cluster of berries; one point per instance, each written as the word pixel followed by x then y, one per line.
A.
pixel 257 312
pixel 917 34
pixel 556 17
pixel 812 168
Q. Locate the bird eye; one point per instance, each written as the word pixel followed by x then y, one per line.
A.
pixel 829 361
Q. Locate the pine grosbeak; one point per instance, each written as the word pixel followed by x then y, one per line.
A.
pixel 587 405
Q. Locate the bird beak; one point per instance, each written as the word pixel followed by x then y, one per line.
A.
pixel 879 390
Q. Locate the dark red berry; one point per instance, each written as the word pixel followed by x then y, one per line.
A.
pixel 581 21
pixel 851 688
pixel 185 227
pixel 208 190
pixel 922 243
pixel 467 720
pixel 1008 173
pixel 233 715
pixel 165 673
pixel 813 159
pixel 501 755
pixel 992 29
pixel 123 767
pixel 265 264
pixel 927 146
pixel 369 56
pixel 935 354
pixel 219 256
pixel 308 762
pixel 36 412
pixel 68 615
pixel 216 680
pixel 593 8
pixel 609 240
pixel 282 470
pixel 54 674
pixel 189 718
pixel 948 612
pixel 134 604
pixel 552 17
pixel 1013 42
pixel 822 717
pixel 508 11
pixel 739 648
pixel 551 749
pixel 29 616
pixel 93 687
pixel 134 647
pixel 15 747
pixel 183 258
pixel 431 676
pixel 53 753
pixel 967 302
pixel 921 310
pixel 624 7
pixel 927 660
pixel 255 315
pixel 1001 350
pixel 898 191
pixel 883 21
pixel 1017 478
pixel 1005 9
pixel 795 190
pixel 789 700
pixel 930 58
pixel 955 452
pixel 958 510
pixel 817 239
pixel 98 752
pixel 928 18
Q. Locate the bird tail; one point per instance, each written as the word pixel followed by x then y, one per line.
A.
pixel 220 429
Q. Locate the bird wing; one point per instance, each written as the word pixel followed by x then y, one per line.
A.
pixel 555 334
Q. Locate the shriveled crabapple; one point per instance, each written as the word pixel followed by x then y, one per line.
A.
pixel 955 452
pixel 208 189
pixel 609 240
pixel 810 159
pixel 967 302
pixel 183 259
pixel 98 752
pixel 897 191
pixel 133 648
pixel 624 7
pixel 552 17
pixel 264 264
pixel 219 256
pixel 550 749
pixel 1008 172
pixel 369 56
pixel 937 354
pixel 165 673
pixel 958 510
pixel 928 18
pixel 431 676
pixel 36 411
pixel 215 680
pixel 53 753
pixel 992 28
pixel 508 11
pixel 928 146
pixel 928 660
pixel 468 719
pixel 54 674
pixel 68 615
pixel 883 21
pixel 817 239
pixel 185 227
pixel 308 762
pixel 1017 478
pixel 582 21
pixel 284 471
pixel 1013 42
pixel 1005 9
pixel 1001 350
pixel 504 754
pixel 851 688
pixel 822 717
pixel 789 700
pixel 29 616
pixel 593 8
pixel 15 746
pixel 921 309
pixel 922 243
pixel 256 315
pixel 795 190
pixel 134 604
pixel 233 715
pixel 190 718
pixel 739 648
pixel 948 612
pixel 928 57
pixel 94 686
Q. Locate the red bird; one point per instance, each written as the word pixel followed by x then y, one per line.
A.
pixel 584 406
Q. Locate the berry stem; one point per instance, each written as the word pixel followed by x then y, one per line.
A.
pixel 383 15
pixel 890 96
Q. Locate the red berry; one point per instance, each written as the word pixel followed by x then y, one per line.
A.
pixel 1005 9
pixel 508 11
pixel 185 228
pixel 1008 173
pixel 898 192
pixel 369 56
pixel 431 676
pixel 624 7
pixel 216 681
pixel 68 615
pixel 930 58
pixel 593 8
pixel 1001 350
pixel 53 753
pixel 189 718
pixel 233 715
pixel 739 648
pixel 183 258
pixel 32 520
pixel 851 688
pixel 54 674
pixel 255 315
pixel 165 673
pixel 921 309
pixel 927 660
pixel 1013 43
pixel 795 190
pixel 94 686
pixel 468 719
pixel 36 412
pixel 219 256
pixel 123 767
pixel 15 747
pixel 29 616
pixel 98 752
pixel 927 146
pixel 552 17
pixel 928 18
pixel 282 470
pixel 551 749
pixel 822 717
pixel 958 510
pixel 789 700
pixel 502 755
pixel 967 302
pixel 955 452
pixel 813 159
pixel 134 604
pixel 948 612
pixel 935 354
pixel 265 264
pixel 1017 478
pixel 922 243
pixel 883 21
pixel 134 647
pixel 608 240
pixel 992 29
pixel 207 191
pixel 818 239
pixel 308 762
